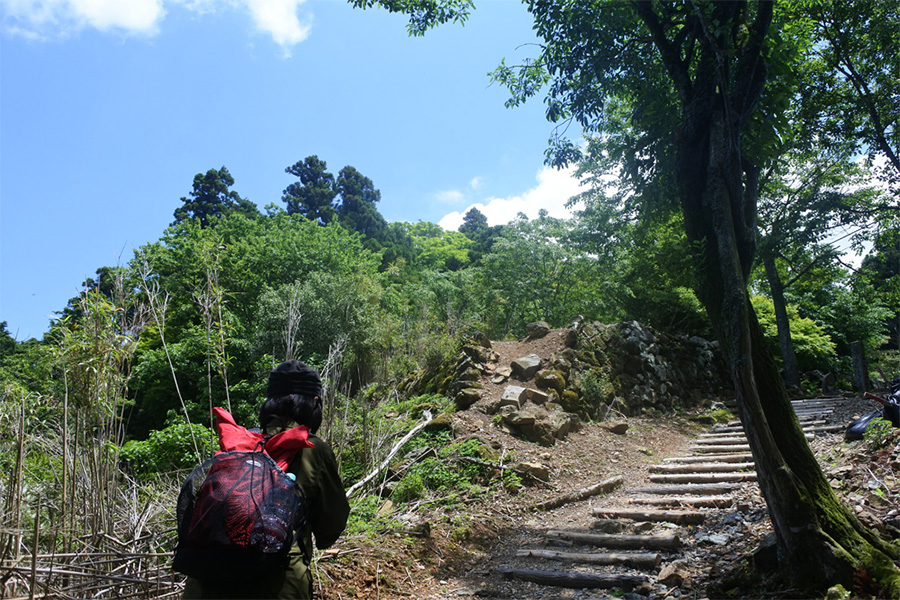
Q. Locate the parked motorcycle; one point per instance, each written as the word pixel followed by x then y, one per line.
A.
pixel 890 411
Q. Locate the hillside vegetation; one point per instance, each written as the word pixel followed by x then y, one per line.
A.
pixel 104 415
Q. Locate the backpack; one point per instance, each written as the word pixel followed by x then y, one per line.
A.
pixel 238 512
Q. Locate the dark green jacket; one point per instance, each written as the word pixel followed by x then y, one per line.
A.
pixel 318 477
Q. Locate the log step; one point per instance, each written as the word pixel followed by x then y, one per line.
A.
pixel 681 517
pixel 684 501
pixel 690 489
pixel 702 478
pixel 615 540
pixel 728 458
pixel 702 467
pixel 639 560
pixel 721 449
pixel 576 580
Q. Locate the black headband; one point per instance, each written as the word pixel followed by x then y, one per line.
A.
pixel 294 377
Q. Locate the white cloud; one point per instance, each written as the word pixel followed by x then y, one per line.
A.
pixel 449 196
pixel 52 19
pixel 554 188
pixel 40 19
pixel 279 19
pixel 475 183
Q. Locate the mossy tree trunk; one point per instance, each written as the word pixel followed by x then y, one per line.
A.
pixel 822 541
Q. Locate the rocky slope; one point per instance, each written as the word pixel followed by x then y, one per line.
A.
pixel 644 410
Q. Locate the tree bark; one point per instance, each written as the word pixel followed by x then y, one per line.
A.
pixel 785 341
pixel 821 540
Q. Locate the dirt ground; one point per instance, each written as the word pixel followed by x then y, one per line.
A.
pixel 466 546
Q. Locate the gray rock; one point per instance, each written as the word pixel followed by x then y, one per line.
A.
pixel 513 395
pixel 525 367
pixel 538 329
pixel 536 470
pixel 467 397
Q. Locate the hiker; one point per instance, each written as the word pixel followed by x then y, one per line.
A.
pixel 294 397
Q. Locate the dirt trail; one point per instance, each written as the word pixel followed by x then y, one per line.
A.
pixel 468 551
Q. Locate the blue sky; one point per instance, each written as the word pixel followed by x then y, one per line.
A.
pixel 109 108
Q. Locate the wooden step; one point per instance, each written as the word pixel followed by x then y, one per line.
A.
pixel 703 467
pixel 720 449
pixel 690 489
pixel 682 517
pixel 576 580
pixel 640 560
pixel 729 458
pixel 703 478
pixel 684 501
pixel 616 540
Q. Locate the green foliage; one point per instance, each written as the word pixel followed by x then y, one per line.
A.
pixel 364 518
pixel 597 391
pixel 212 199
pixel 812 344
pixel 169 449
pixel 881 434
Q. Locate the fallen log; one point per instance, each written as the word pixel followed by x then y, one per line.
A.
pixel 605 486
pixel 702 467
pixel 702 478
pixel 640 560
pixel 695 489
pixel 693 501
pixel 683 517
pixel 614 540
pixel 576 580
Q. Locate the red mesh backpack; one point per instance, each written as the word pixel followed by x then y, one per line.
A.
pixel 239 511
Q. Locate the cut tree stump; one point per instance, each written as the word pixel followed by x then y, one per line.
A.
pixel 695 489
pixel 679 501
pixel 611 540
pixel 640 560
pixel 683 517
pixel 702 478
pixel 576 580
pixel 702 467
pixel 607 485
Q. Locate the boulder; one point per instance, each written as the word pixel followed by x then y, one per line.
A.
pixel 467 397
pixel 513 395
pixel 537 329
pixel 525 367
pixel 535 470
pixel 563 423
pixel 617 427
pixel 548 379
pixel 536 396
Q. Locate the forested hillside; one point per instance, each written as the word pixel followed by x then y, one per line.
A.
pixel 113 404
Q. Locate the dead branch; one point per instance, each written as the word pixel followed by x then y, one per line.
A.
pixel 603 487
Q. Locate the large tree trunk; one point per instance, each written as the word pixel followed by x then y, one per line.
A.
pixel 788 357
pixel 821 540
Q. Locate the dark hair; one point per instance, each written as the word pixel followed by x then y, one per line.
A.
pixel 301 409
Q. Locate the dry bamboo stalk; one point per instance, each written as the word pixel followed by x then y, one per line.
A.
pixel 36 545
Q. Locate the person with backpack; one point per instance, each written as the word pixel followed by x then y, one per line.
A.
pixel 289 419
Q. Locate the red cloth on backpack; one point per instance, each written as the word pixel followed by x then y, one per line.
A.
pixel 282 446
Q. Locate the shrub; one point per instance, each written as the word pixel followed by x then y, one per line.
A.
pixel 168 449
